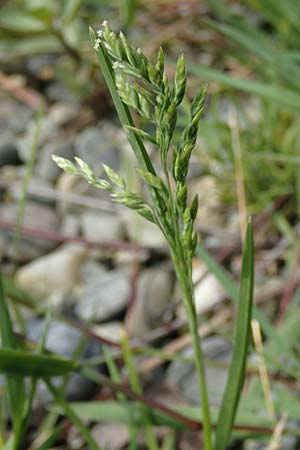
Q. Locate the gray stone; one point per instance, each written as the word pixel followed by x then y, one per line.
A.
pixel 14 116
pixel 210 205
pixel 104 297
pixel 38 64
pixel 61 146
pixel 64 340
pixel 70 225
pixel 57 92
pixel 286 443
pixel 182 375
pixel 143 232
pixel 46 130
pixel 8 152
pixel 100 226
pixel 63 112
pixel 97 145
pixel 36 216
pixel 153 299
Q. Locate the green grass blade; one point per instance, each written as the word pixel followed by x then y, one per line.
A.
pixel 25 183
pixel 18 363
pixel 232 291
pixel 70 11
pixel 13 291
pixel 15 384
pixel 122 413
pixel 282 96
pixel 85 432
pixel 116 378
pixel 136 387
pixel 49 438
pixel 237 368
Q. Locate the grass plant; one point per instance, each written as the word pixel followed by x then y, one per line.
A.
pixel 134 82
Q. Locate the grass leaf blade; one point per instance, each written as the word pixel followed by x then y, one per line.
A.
pixel 15 384
pixel 85 432
pixel 20 363
pixel 241 340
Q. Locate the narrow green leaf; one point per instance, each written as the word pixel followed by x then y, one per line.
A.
pixel 237 368
pixel 134 380
pixel 37 45
pixel 231 290
pixel 15 384
pixel 48 439
pixel 21 364
pixel 85 432
pixel 70 10
pixel 129 413
pixel 16 20
pixel 282 96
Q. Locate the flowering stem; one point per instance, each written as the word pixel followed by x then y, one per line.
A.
pixel 173 215
pixel 183 273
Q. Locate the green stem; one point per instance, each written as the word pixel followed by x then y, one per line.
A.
pixel 184 278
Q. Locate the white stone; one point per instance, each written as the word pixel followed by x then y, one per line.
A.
pixel 111 330
pixel 54 274
pixel 143 232
pixel 209 292
pixel 101 227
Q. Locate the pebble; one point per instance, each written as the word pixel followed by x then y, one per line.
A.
pixel 210 212
pixel 286 443
pixel 111 436
pixel 40 65
pixel 182 375
pixel 36 215
pixel 64 340
pixel 46 130
pixel 208 292
pixel 110 330
pixel 70 225
pixel 14 118
pixel 63 112
pixel 102 227
pixel 57 92
pixel 142 232
pixel 61 146
pixel 104 296
pixel 153 298
pixel 8 152
pixel 97 145
pixel 54 275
